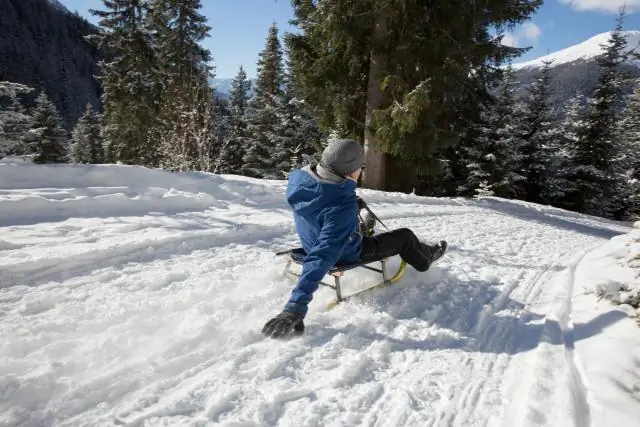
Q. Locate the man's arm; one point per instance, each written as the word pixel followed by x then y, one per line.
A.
pixel 335 234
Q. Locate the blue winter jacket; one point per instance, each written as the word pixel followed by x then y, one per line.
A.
pixel 326 218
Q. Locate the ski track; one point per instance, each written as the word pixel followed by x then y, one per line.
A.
pixel 150 320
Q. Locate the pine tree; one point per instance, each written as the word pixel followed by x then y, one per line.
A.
pixel 187 142
pixel 493 158
pixel 538 132
pixel 182 64
pixel 560 188
pixel 628 157
pixel 397 74
pixel 87 144
pixel 233 148
pixel 14 119
pixel 129 81
pixel 592 164
pixel 47 138
pixel 294 135
pixel 264 110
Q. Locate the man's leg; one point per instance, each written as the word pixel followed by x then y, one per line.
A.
pixel 401 242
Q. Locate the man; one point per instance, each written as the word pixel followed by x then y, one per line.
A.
pixel 325 211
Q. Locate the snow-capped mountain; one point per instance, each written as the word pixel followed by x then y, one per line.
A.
pixel 575 69
pixel 223 86
pixel 584 51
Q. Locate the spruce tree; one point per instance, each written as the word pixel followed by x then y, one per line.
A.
pixel 592 164
pixel 14 119
pixel 47 138
pixel 263 112
pixel 628 157
pixel 560 188
pixel 295 134
pixel 538 132
pixel 230 159
pixel 87 144
pixel 182 65
pixel 397 74
pixel 130 84
pixel 494 157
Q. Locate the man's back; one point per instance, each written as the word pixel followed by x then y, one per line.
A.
pixel 321 204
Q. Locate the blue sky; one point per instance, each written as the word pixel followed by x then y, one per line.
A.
pixel 239 27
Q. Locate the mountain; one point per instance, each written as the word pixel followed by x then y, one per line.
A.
pixel 582 52
pixel 133 296
pixel 223 87
pixel 42 45
pixel 574 69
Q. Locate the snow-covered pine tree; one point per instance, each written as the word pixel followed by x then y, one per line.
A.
pixel 222 131
pixel 47 138
pixel 560 189
pixel 187 142
pixel 130 84
pixel 87 144
pixel 262 114
pixel 538 132
pixel 186 109
pixel 295 134
pixel 493 158
pixel 592 169
pixel 14 119
pixel 627 163
pixel 230 159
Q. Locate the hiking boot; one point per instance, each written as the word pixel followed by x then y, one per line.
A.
pixel 438 250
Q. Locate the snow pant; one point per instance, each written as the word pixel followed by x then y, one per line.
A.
pixel 401 242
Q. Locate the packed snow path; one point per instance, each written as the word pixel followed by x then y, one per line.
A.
pixel 136 297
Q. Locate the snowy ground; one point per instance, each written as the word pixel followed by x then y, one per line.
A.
pixel 136 297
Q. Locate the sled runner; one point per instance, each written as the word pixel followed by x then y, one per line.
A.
pixel 297 255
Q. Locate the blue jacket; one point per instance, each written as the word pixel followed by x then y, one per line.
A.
pixel 326 219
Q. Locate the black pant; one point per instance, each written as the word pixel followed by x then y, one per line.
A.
pixel 397 242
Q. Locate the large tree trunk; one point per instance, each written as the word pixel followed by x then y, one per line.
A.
pixel 375 175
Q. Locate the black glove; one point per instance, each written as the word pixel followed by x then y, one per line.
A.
pixel 284 324
pixel 361 203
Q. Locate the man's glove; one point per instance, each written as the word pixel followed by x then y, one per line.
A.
pixel 361 203
pixel 284 324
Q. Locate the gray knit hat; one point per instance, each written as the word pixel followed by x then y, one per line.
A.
pixel 342 157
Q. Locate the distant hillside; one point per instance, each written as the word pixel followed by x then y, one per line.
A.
pixel 575 69
pixel 223 87
pixel 42 46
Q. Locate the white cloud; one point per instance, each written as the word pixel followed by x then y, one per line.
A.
pixel 510 40
pixel 531 31
pixel 611 6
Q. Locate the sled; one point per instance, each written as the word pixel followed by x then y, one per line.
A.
pixel 298 255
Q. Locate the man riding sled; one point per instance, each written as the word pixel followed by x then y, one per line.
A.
pixel 325 211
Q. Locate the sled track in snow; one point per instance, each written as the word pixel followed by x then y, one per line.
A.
pixel 461 412
pixel 559 374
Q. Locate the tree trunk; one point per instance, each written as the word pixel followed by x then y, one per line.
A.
pixel 375 175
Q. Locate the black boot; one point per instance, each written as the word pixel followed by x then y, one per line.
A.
pixel 438 250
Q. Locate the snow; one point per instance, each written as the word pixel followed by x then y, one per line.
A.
pixel 584 51
pixel 135 297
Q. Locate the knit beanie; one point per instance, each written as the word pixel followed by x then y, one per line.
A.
pixel 342 157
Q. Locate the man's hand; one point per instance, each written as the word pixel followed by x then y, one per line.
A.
pixel 361 203
pixel 284 324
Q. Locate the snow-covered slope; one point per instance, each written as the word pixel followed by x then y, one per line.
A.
pixel 584 51
pixel 136 297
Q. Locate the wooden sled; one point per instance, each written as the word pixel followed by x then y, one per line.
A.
pixel 298 255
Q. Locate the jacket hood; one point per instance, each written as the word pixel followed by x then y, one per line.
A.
pixel 308 192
